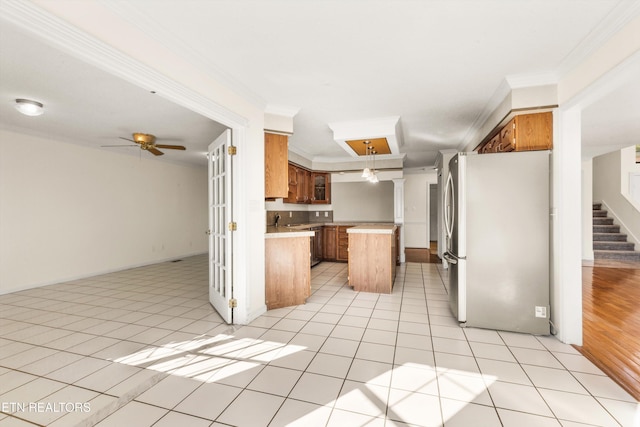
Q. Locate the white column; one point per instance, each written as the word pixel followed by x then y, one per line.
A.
pixel 587 210
pixel 566 266
pixel 398 210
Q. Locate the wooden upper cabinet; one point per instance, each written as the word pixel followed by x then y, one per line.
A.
pixel 276 159
pixel 321 188
pixel 293 177
pixel 526 132
pixel 307 187
pixel 531 132
pixel 304 181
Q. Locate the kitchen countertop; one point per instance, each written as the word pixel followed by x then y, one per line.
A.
pixel 285 232
pixel 302 230
pixel 373 229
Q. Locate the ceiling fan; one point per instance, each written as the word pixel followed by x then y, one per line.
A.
pixel 148 142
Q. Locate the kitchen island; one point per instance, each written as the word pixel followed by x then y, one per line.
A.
pixel 372 257
pixel 287 266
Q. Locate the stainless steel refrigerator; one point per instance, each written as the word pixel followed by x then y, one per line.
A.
pixel 496 215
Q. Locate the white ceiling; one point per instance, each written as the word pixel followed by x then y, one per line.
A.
pixel 85 105
pixel 433 63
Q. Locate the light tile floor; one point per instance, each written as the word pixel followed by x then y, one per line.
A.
pixel 143 347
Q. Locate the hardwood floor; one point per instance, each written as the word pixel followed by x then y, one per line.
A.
pixel 424 255
pixel 611 321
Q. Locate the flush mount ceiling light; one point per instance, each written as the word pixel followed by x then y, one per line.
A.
pixel 29 107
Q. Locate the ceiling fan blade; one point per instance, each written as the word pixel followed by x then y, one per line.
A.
pixel 154 151
pixel 171 147
pixel 126 139
pixel 119 145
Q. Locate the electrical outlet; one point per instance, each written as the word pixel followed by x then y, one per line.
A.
pixel 541 312
pixel 290 214
pixel 317 213
pixel 326 214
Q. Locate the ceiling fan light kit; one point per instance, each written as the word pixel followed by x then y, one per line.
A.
pixel 29 107
pixel 143 138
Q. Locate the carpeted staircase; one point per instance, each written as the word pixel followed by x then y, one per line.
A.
pixel 608 242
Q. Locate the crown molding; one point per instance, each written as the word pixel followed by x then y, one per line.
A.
pixel 81 45
pixel 623 13
pixel 301 153
pixel 501 92
pixel 379 157
pixel 129 12
pixel 531 80
pixel 282 110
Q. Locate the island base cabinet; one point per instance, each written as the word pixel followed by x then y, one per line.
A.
pixel 372 262
pixel 287 271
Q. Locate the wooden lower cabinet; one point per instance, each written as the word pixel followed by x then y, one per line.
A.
pixel 343 243
pixel 287 271
pixel 329 243
pixel 372 262
pixel 398 248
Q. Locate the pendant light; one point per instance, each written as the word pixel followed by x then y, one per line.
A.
pixel 366 172
pixel 373 177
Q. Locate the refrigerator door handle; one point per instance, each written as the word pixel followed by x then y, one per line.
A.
pixel 451 259
pixel 449 209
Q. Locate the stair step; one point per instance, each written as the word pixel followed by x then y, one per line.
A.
pixel 609 237
pixel 602 221
pixel 606 228
pixel 617 255
pixel 597 206
pixel 613 246
pixel 599 213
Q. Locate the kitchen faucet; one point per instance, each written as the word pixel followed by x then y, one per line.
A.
pixel 277 219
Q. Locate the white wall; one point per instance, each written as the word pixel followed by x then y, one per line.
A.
pixel 68 211
pixel 362 201
pixel 416 209
pixel 130 53
pixel 628 166
pixel 610 186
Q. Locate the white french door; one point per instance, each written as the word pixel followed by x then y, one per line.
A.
pixel 220 217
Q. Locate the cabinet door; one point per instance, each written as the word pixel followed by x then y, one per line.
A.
pixel 507 136
pixel 293 177
pixel 397 249
pixel 275 165
pixel 321 190
pixel 292 194
pixel 303 178
pixel 318 245
pixel 343 243
pixel 329 244
pixel 533 132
